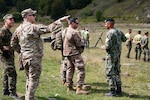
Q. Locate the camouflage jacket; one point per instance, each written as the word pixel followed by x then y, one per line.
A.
pixel 72 43
pixel 26 38
pixel 112 43
pixel 5 38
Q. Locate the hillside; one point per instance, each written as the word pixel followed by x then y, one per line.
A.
pixel 125 11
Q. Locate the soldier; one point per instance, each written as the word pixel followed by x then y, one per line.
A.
pixel 72 49
pixel 112 47
pixel 129 42
pixel 138 50
pixel 7 58
pixel 27 42
pixel 144 46
pixel 86 38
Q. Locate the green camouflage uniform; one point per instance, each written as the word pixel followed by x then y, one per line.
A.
pixel 27 38
pixel 7 59
pixel 145 49
pixel 138 49
pixel 112 48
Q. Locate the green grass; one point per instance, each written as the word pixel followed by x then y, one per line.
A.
pixel 134 84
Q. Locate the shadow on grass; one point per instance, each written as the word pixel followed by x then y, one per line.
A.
pixel 135 96
pixel 105 85
pixel 44 98
pixel 99 84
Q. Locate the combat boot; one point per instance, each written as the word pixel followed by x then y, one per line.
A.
pixel 119 90
pixel 70 89
pixel 14 95
pixel 5 92
pixel 111 93
pixel 79 90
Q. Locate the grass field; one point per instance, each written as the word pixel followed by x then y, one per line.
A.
pixel 135 74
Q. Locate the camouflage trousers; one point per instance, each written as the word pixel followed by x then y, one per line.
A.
pixel 75 62
pixel 128 51
pixel 138 52
pixel 33 71
pixel 113 71
pixel 9 74
pixel 63 69
pixel 146 53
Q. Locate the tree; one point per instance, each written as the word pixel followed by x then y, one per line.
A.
pixel 77 4
pixel 44 7
pixel 99 15
pixel 3 7
pixel 58 11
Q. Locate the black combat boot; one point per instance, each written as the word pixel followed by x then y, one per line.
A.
pixel 14 95
pixel 111 93
pixel 119 90
pixel 5 92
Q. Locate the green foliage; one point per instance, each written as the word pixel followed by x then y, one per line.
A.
pixel 17 16
pixel 3 8
pixel 86 12
pixel 58 11
pixel 99 15
pixel 77 4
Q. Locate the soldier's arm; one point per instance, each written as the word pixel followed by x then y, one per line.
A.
pixel 108 42
pixel 123 37
pixel 15 42
pixel 55 26
pixel 77 40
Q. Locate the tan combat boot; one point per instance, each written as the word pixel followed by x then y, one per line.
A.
pixel 70 89
pixel 79 90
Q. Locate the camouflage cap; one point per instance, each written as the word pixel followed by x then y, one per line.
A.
pixel 28 11
pixel 8 16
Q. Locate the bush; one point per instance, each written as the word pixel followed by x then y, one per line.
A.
pixel 99 16
pixel 17 16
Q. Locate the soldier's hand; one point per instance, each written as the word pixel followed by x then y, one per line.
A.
pixel 6 48
pixel 64 18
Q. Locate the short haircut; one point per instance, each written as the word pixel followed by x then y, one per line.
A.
pixel 110 20
pixel 146 33
pixel 73 20
pixel 139 32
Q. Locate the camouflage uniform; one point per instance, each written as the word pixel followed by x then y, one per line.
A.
pixel 71 45
pixel 27 38
pixel 138 49
pixel 145 49
pixel 7 59
pixel 128 44
pixel 112 48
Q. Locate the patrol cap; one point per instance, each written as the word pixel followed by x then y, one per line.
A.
pixel 8 16
pixel 110 20
pixel 28 11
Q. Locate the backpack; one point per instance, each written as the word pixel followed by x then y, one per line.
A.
pixel 57 40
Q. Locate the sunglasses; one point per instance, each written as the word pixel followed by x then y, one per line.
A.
pixel 32 15
pixel 76 22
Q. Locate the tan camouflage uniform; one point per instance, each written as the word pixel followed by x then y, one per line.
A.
pixel 27 36
pixel 72 43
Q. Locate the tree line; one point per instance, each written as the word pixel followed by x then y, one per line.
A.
pixel 52 8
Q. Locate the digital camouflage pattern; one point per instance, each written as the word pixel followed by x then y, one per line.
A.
pixel 26 40
pixel 71 44
pixel 7 59
pixel 112 48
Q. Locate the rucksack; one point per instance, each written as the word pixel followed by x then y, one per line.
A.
pixel 57 40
